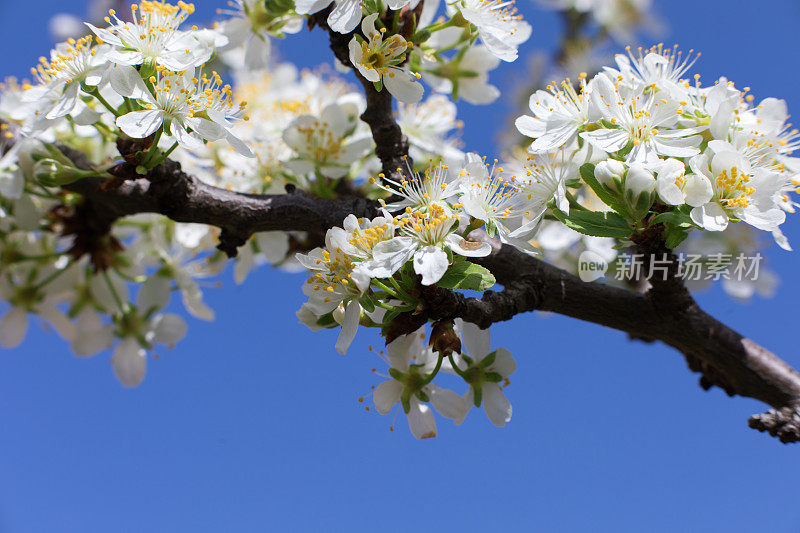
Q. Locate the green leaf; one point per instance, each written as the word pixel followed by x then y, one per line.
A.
pixel 675 236
pixel 673 218
pixel 595 223
pixel 587 173
pixel 466 275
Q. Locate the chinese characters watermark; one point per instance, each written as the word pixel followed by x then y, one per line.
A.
pixel 687 266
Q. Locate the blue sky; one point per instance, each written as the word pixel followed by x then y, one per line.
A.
pixel 252 423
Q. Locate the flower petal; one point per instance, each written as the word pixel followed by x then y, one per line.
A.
pixel 421 420
pixel 140 124
pixel 129 362
pixel 431 263
pixel 13 327
pixel 349 327
pixel 496 405
pixel 386 395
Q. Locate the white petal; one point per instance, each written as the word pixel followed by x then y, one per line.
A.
pixel 421 420
pixel 431 263
pixel 710 216
pixel 193 301
pixel 768 220
pixel 306 7
pixel 386 395
pixel 154 294
pixel 125 58
pixel 388 257
pixel 607 140
pixel 60 322
pixel 781 240
pixel 448 403
pixel 140 124
pixel 244 262
pixel 403 86
pixel 92 335
pixel 129 362
pixel 239 145
pixel 125 81
pixel 256 52
pixel 349 327
pixel 345 16
pixel 698 190
pixel 504 364
pixel 669 192
pixel 477 341
pixel 274 245
pixel 66 103
pixel 496 405
pixel 530 126
pixel 467 248
pixel 190 141
pixel 13 327
pixel 368 26
pixel 400 350
pixel 169 329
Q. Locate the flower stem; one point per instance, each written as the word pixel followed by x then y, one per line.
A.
pixel 435 370
pixel 113 290
pixel 385 288
pixel 96 94
pixel 455 367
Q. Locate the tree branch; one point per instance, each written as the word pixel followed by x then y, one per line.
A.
pixel 666 312
pixel 391 146
pixel 168 191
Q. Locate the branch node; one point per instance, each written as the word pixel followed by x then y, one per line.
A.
pixel 229 242
pixel 783 423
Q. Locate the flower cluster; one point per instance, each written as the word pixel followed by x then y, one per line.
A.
pixel 638 149
pixel 413 367
pixel 452 53
pixel 661 149
pixel 145 79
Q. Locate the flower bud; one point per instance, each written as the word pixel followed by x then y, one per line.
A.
pixel 609 173
pixel 52 173
pixel 640 187
pixel 444 339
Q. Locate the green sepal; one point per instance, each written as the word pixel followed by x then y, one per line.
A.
pixel 587 173
pixel 492 377
pixel 488 360
pixel 477 394
pixel 405 401
pixel 367 303
pixel 327 321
